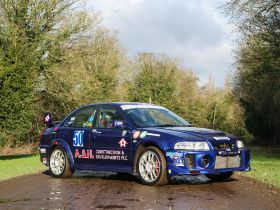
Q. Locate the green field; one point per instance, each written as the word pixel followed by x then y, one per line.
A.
pixel 265 164
pixel 18 165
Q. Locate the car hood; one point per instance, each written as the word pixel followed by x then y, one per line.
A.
pixel 187 132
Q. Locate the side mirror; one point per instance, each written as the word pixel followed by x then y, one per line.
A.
pixel 56 122
pixel 119 124
pixel 48 120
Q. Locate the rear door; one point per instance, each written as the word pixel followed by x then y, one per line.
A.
pixel 111 145
pixel 77 131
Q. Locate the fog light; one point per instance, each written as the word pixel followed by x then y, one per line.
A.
pixel 190 160
pixel 205 161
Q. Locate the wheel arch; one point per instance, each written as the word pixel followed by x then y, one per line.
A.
pixel 64 145
pixel 140 148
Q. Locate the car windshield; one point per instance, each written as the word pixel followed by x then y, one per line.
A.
pixel 155 117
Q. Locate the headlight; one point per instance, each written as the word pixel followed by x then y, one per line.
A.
pixel 239 144
pixel 189 145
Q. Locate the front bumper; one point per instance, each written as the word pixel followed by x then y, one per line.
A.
pixel 206 162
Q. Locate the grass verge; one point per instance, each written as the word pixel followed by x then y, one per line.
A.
pixel 17 165
pixel 265 165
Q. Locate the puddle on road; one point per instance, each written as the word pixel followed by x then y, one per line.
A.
pixel 111 207
pixel 132 200
pixel 13 201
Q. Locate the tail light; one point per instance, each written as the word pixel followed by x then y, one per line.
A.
pixel 41 135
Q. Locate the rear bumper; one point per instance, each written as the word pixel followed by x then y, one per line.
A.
pixel 43 150
pixel 210 162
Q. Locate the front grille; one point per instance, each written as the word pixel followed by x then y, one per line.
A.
pixel 224 146
pixel 227 162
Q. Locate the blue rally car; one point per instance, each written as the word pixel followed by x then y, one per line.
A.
pixel 142 139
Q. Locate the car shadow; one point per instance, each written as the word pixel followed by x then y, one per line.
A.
pixel 196 180
pixel 177 180
pixel 87 174
pixel 228 180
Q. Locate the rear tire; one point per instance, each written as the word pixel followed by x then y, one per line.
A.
pixel 59 163
pixel 219 177
pixel 151 167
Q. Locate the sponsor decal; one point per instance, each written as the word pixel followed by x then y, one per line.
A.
pixel 84 154
pixel 124 133
pixel 78 139
pixel 118 123
pixel 123 142
pixel 176 158
pixel 136 134
pixel 177 161
pixel 110 155
pixel 171 154
pixel 143 134
pixel 221 138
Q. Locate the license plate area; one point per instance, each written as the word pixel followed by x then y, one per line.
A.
pixel 227 162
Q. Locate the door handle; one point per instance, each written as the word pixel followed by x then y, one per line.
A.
pixel 95 131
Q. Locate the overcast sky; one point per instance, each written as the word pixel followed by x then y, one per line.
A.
pixel 194 31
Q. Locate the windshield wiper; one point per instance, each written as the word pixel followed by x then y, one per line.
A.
pixel 171 125
pixel 166 125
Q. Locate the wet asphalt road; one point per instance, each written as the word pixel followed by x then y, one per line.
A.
pixel 110 191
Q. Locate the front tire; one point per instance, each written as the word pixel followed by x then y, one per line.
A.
pixel 151 167
pixel 59 164
pixel 219 177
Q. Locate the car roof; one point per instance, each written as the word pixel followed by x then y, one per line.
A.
pixel 116 104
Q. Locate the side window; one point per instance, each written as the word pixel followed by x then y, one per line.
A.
pixel 83 118
pixel 107 116
pixel 70 121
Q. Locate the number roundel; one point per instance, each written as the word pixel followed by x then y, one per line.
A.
pixel 78 139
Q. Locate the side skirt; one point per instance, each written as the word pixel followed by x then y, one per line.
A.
pixel 109 168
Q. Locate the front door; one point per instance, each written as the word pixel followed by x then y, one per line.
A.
pixel 111 145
